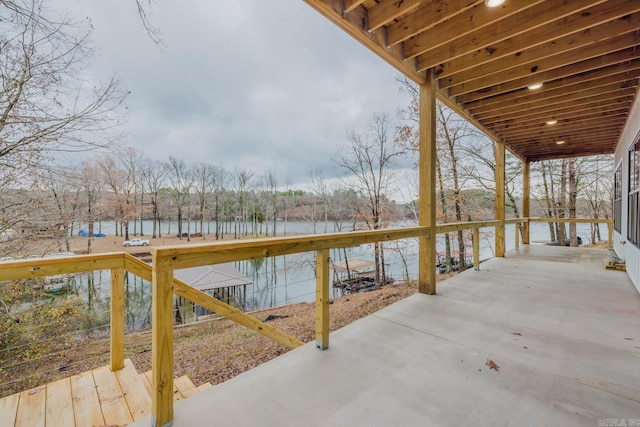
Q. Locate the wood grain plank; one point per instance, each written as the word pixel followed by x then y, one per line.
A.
pixel 31 408
pixel 59 407
pixel 137 397
pixel 112 401
pixel 145 381
pixel 204 386
pixel 186 386
pixel 86 406
pixel 8 409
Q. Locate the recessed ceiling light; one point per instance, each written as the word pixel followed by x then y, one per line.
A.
pixel 493 3
pixel 552 122
pixel 534 86
pixel 560 142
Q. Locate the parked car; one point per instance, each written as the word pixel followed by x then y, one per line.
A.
pixel 136 242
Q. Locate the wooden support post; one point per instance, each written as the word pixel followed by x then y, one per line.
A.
pixel 517 234
pixel 526 201
pixel 116 331
pixel 476 249
pixel 322 299
pixel 162 348
pixel 427 186
pixel 500 214
pixel 610 232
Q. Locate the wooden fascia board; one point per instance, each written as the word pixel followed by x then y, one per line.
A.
pixel 539 15
pixel 354 24
pixel 483 52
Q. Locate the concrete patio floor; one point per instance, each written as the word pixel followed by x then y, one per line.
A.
pixel 564 331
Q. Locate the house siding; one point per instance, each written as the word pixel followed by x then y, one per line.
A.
pixel 629 252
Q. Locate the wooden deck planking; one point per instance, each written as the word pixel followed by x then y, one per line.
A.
pixel 112 401
pixel 95 398
pixel 186 386
pixel 9 409
pixel 136 395
pixel 204 386
pixel 177 394
pixel 145 382
pixel 59 404
pixel 86 405
pixel 31 408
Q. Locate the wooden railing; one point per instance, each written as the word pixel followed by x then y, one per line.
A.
pixel 170 258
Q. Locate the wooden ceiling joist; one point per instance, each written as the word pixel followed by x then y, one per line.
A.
pixel 586 53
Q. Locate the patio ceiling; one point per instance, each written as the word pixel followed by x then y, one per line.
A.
pixel 585 52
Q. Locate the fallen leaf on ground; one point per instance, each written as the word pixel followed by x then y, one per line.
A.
pixel 492 365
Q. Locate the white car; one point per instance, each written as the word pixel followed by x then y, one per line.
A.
pixel 136 242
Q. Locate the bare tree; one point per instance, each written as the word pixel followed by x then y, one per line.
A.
pixel 271 187
pixel 45 102
pixel 119 175
pixel 369 162
pixel 92 188
pixel 203 181
pixel 65 188
pixel 218 180
pixel 243 180
pixel 181 182
pixel 153 175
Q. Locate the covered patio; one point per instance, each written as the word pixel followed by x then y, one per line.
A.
pixel 564 332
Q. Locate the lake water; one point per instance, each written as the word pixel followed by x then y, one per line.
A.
pixel 289 279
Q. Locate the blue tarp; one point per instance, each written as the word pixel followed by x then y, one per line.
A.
pixel 84 233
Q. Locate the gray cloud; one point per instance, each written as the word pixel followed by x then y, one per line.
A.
pixel 261 85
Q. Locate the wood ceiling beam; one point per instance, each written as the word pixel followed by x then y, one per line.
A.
pixel 598 128
pixel 606 147
pixel 521 78
pixel 550 142
pixel 570 43
pixel 536 67
pixel 354 23
pixel 511 47
pixel 620 97
pixel 630 70
pixel 539 15
pixel 544 114
pixel 463 24
pixel 350 5
pixel 522 127
pixel 388 10
pixel 526 98
pixel 426 17
pixel 615 90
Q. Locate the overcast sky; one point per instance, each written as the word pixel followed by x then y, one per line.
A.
pixel 256 84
